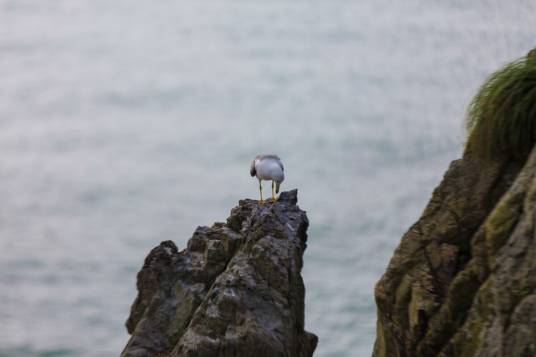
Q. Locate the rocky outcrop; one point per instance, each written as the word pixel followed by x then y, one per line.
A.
pixel 236 290
pixel 462 282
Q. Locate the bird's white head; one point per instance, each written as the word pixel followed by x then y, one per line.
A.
pixel 277 184
pixel 278 177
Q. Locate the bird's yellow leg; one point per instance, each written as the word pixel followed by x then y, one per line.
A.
pixel 260 190
pixel 273 192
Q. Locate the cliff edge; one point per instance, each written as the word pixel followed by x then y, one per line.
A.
pixel 462 282
pixel 236 290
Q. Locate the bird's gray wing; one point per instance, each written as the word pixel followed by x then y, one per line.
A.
pixel 252 170
pixel 280 164
pixel 273 157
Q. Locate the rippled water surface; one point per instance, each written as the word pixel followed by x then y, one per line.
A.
pixel 124 123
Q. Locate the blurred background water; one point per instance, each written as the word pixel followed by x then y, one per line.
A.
pixel 124 123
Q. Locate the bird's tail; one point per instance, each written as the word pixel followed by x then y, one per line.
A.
pixel 252 170
pixel 277 187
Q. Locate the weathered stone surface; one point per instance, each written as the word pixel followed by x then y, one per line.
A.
pixel 236 290
pixel 463 280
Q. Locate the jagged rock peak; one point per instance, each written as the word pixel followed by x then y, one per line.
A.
pixel 236 290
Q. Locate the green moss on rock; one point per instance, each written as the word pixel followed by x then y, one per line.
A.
pixel 499 225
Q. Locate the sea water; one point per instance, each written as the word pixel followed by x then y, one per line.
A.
pixel 124 123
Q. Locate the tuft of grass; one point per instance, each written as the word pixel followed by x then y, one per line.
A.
pixel 501 119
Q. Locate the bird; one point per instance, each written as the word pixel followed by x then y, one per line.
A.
pixel 268 167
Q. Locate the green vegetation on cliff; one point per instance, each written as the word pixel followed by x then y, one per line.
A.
pixel 501 118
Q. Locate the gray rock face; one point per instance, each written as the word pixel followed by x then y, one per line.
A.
pixel 462 282
pixel 236 290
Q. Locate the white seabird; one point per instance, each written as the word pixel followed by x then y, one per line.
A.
pixel 268 168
